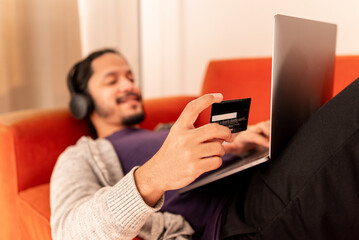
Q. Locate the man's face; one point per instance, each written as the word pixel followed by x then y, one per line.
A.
pixel 117 98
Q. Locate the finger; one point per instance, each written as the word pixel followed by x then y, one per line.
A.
pixel 210 163
pixel 262 128
pixel 210 149
pixel 265 128
pixel 216 140
pixel 212 131
pixel 193 108
pixel 256 139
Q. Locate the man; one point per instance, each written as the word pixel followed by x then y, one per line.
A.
pixel 86 203
pixel 99 192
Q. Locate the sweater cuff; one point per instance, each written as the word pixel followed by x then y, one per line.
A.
pixel 126 204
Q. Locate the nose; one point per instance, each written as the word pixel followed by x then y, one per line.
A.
pixel 126 85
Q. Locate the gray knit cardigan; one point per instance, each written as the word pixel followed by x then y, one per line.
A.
pixel 91 198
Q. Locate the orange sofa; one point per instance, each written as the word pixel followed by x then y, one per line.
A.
pixel 30 141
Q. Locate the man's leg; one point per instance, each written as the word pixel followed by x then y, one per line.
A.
pixel 312 190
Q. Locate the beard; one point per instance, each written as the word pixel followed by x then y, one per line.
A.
pixel 133 119
pixel 127 121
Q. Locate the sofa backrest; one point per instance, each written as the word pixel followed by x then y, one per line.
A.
pixel 237 78
pixel 241 78
pixel 345 72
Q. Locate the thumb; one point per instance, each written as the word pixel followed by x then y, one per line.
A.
pixel 194 108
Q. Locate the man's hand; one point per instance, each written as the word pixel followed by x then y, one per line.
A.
pixel 255 136
pixel 186 153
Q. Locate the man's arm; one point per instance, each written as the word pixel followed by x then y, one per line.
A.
pixel 82 208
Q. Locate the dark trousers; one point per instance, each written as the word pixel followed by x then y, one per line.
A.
pixel 311 191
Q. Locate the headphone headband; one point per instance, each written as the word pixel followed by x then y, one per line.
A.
pixel 70 78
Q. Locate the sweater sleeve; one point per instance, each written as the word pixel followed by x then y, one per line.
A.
pixel 83 209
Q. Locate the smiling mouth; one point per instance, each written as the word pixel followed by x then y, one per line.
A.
pixel 128 97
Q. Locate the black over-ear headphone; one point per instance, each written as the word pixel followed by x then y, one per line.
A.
pixel 81 104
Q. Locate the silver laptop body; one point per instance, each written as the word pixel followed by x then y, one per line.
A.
pixel 302 81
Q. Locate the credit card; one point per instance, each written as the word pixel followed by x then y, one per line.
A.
pixel 232 114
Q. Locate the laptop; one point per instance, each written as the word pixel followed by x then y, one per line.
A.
pixel 302 81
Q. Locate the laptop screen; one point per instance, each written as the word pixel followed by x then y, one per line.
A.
pixel 302 75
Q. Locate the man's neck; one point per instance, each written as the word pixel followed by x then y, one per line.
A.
pixel 105 131
pixel 106 128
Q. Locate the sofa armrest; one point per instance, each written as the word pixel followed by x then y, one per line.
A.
pixel 34 140
pixel 163 110
pixel 30 142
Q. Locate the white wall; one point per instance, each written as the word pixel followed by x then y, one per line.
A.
pixel 111 23
pixel 162 47
pixel 39 41
pixel 179 37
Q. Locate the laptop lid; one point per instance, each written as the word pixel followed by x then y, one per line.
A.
pixel 302 75
pixel 302 80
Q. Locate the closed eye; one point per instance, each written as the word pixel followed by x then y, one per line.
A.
pixel 111 83
pixel 129 76
pixel 111 79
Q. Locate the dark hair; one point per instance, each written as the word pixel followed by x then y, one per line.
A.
pixel 82 71
pixel 79 76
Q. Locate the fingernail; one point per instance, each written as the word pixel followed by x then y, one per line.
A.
pixel 217 95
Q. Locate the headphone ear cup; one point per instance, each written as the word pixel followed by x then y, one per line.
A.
pixel 80 106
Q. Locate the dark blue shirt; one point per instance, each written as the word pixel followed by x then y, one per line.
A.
pixel 201 207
